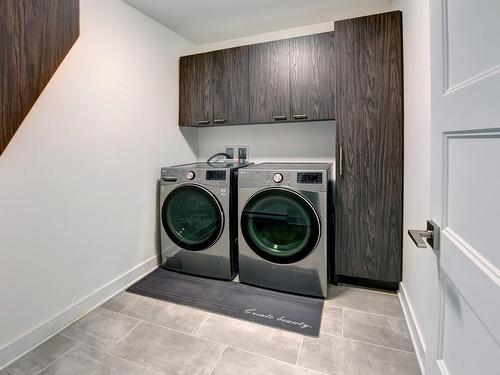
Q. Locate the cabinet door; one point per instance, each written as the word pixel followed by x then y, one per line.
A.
pixel 231 89
pixel 369 121
pixel 195 90
pixel 269 65
pixel 35 36
pixel 312 77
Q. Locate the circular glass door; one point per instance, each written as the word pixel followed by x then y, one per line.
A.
pixel 192 217
pixel 280 226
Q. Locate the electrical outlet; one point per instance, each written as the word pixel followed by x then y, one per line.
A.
pixel 230 152
pixel 242 153
pixel 237 153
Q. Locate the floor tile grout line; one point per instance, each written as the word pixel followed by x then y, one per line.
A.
pixel 209 315
pixel 367 312
pixel 129 332
pixel 62 355
pixel 170 328
pixel 342 325
pixel 217 361
pixel 370 343
pixel 208 318
pixel 219 343
pixel 122 313
pixel 300 350
pixel 105 351
pixel 153 299
pixel 361 288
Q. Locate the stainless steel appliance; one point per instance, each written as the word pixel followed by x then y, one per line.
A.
pixel 284 226
pixel 198 219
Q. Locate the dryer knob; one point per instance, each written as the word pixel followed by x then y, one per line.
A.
pixel 278 177
pixel 190 175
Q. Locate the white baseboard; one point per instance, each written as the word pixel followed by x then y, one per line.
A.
pixel 413 327
pixel 37 336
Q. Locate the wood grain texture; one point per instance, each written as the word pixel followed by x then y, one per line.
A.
pixel 312 76
pixel 269 67
pixel 369 114
pixel 195 89
pixel 231 88
pixel 35 36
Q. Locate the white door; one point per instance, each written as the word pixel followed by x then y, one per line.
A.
pixel 465 187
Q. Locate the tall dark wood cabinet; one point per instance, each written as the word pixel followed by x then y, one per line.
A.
pixel 269 65
pixel 35 36
pixel 231 89
pixel 312 77
pixel 369 149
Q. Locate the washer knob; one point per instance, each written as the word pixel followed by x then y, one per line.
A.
pixel 278 177
pixel 190 175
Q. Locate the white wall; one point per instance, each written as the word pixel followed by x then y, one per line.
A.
pixel 308 142
pixel 78 180
pixel 419 265
pixel 322 27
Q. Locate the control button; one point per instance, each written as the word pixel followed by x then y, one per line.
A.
pixel 190 175
pixel 278 177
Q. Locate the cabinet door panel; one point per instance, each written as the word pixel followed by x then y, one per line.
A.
pixel 312 77
pixel 368 61
pixel 35 37
pixel 269 65
pixel 231 87
pixel 195 89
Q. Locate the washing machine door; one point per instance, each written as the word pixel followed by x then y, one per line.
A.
pixel 192 217
pixel 280 225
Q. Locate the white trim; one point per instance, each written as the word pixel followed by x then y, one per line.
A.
pixel 415 331
pixel 23 344
pixel 443 370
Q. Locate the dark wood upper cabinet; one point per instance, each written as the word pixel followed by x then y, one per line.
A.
pixel 369 122
pixel 231 89
pixel 312 77
pixel 269 67
pixel 195 89
pixel 213 88
pixel 259 83
pixel 35 36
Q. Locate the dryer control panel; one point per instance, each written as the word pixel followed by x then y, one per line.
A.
pixel 306 180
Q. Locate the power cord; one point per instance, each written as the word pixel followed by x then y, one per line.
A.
pixel 218 154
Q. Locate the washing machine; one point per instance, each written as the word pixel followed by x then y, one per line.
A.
pixel 199 220
pixel 284 224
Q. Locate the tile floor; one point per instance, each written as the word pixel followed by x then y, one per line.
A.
pixel 362 332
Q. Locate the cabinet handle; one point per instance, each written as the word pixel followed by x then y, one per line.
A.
pixel 203 122
pixel 300 117
pixel 341 160
pixel 219 121
pixel 279 118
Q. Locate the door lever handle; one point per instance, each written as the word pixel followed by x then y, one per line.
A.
pixel 431 235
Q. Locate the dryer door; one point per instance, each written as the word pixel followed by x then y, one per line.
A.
pixel 280 225
pixel 192 217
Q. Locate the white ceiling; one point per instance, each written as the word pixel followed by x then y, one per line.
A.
pixel 206 21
